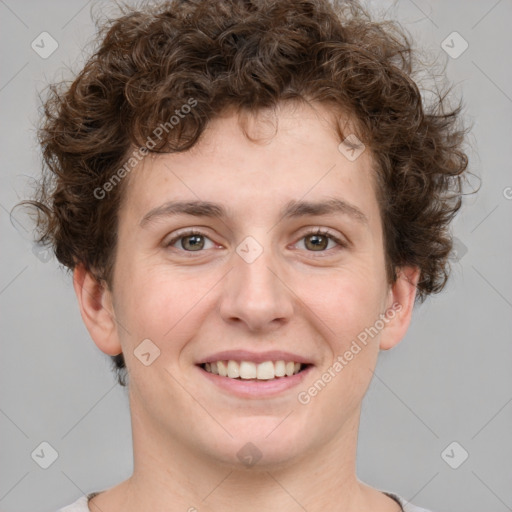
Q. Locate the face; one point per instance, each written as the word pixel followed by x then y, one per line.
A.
pixel 249 280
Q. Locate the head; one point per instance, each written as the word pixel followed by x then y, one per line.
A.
pixel 259 107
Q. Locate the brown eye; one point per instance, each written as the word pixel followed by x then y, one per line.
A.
pixel 190 241
pixel 317 242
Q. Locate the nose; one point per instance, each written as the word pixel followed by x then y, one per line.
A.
pixel 256 295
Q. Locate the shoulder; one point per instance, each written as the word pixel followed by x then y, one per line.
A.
pixel 80 505
pixel 406 505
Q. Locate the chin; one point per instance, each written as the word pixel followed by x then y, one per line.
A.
pixel 260 445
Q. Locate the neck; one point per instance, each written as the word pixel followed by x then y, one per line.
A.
pixel 176 477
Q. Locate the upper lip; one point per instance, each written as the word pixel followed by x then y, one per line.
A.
pixel 254 357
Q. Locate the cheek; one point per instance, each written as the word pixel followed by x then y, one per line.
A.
pixel 349 309
pixel 347 301
pixel 159 307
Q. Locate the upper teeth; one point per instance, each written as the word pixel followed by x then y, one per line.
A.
pixel 248 370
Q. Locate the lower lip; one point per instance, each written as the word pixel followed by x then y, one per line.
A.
pixel 256 388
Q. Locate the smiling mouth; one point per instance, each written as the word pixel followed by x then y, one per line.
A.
pixel 247 370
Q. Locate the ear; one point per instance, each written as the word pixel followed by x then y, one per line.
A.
pixel 399 308
pixel 95 301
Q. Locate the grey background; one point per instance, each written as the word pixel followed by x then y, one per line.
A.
pixel 449 380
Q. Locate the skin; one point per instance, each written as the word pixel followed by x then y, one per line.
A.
pixel 187 431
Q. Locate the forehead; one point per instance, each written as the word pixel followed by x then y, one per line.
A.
pixel 248 162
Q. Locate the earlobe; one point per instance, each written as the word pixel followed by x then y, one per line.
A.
pixel 400 306
pixel 95 301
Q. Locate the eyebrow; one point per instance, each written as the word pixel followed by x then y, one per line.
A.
pixel 293 209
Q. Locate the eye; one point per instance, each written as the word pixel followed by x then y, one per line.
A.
pixel 318 240
pixel 191 241
pixel 194 241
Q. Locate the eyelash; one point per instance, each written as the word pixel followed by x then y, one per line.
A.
pixel 318 231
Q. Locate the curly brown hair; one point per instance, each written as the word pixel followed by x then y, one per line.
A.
pixel 248 55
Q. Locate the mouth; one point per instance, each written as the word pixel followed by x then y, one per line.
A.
pixel 260 379
pixel 250 371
